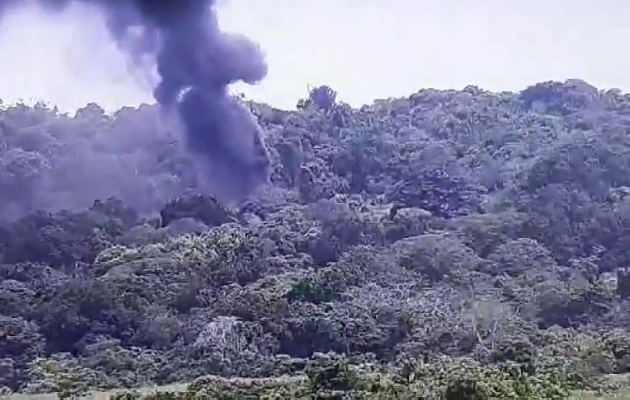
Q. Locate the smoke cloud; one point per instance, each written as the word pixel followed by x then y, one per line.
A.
pixel 195 62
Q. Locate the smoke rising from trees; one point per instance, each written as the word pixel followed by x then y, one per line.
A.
pixel 196 62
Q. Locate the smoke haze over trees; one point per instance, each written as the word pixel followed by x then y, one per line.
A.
pixel 195 63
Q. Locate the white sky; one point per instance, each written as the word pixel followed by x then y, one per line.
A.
pixel 364 49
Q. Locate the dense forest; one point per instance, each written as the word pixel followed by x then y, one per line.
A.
pixel 452 244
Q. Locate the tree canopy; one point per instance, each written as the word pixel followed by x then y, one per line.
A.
pixel 458 244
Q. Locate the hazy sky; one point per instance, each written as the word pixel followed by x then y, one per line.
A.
pixel 365 49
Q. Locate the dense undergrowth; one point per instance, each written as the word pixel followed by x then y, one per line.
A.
pixel 448 245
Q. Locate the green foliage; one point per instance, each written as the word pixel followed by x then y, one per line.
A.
pixel 446 245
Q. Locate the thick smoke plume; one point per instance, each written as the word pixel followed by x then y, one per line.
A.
pixel 196 63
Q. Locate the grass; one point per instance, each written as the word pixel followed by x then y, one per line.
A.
pixel 621 380
pixel 621 394
pixel 100 395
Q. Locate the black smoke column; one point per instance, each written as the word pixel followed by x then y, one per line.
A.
pixel 194 55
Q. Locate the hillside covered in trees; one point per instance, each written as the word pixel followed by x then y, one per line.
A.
pixel 445 245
